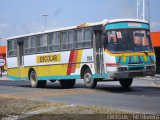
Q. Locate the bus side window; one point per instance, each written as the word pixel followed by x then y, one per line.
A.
pixel 54 42
pixel 87 36
pixel 12 48
pixel 50 41
pixel 26 46
pixel 30 45
pixel 78 38
pixel 42 43
pixel 83 38
pixel 71 39
pixel 57 41
pixel 64 42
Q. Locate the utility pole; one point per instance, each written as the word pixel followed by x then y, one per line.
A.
pixel 45 20
pixel 143 10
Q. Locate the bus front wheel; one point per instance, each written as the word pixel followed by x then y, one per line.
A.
pixel 34 82
pixel 67 83
pixel 88 80
pixel 126 83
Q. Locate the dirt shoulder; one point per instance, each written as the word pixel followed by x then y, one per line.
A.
pixel 10 106
pixel 13 107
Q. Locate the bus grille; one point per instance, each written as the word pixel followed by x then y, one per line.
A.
pixel 134 68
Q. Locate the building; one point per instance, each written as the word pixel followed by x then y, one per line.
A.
pixel 156 43
pixel 3 56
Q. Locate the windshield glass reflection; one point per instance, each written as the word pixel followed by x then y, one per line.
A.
pixel 128 41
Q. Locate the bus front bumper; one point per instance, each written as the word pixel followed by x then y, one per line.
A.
pixel 131 74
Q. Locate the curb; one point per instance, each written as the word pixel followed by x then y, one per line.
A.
pixel 4 76
pixel 157 80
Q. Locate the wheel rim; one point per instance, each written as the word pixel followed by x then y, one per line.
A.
pixel 88 77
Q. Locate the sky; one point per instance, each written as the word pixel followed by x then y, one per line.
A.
pixel 19 17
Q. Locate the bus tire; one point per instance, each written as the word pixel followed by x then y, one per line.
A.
pixel 88 80
pixel 126 83
pixel 34 82
pixel 67 83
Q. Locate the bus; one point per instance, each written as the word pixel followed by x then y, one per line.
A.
pixel 111 50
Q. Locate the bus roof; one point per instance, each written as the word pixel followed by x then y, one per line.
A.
pixel 105 21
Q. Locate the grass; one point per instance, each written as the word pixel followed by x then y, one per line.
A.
pixel 11 107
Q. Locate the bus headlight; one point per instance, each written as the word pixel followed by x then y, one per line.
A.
pixel 120 69
pixel 150 67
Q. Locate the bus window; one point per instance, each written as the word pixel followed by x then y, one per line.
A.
pixel 26 45
pixel 71 39
pixel 12 48
pixel 138 38
pixel 87 38
pixel 118 41
pixel 64 43
pixel 26 42
pixel 111 41
pixel 79 39
pixel 145 42
pixel 42 43
pixel 83 38
pixel 54 42
pixel 30 45
pixel 57 41
pixel 51 38
pixel 141 38
pixel 33 44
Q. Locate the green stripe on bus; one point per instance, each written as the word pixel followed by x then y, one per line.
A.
pixel 58 77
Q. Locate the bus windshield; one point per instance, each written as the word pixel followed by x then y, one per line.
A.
pixel 128 40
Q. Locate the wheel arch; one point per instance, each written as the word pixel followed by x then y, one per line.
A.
pixel 31 69
pixel 83 68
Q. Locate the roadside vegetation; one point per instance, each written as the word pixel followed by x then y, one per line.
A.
pixel 13 108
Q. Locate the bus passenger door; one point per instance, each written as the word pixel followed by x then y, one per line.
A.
pixel 98 52
pixel 20 59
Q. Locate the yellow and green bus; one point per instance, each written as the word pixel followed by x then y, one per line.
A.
pixel 117 50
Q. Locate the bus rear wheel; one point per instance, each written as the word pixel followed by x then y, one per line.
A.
pixel 126 83
pixel 34 82
pixel 67 83
pixel 88 80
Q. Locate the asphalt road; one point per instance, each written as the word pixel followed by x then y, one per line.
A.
pixel 142 97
